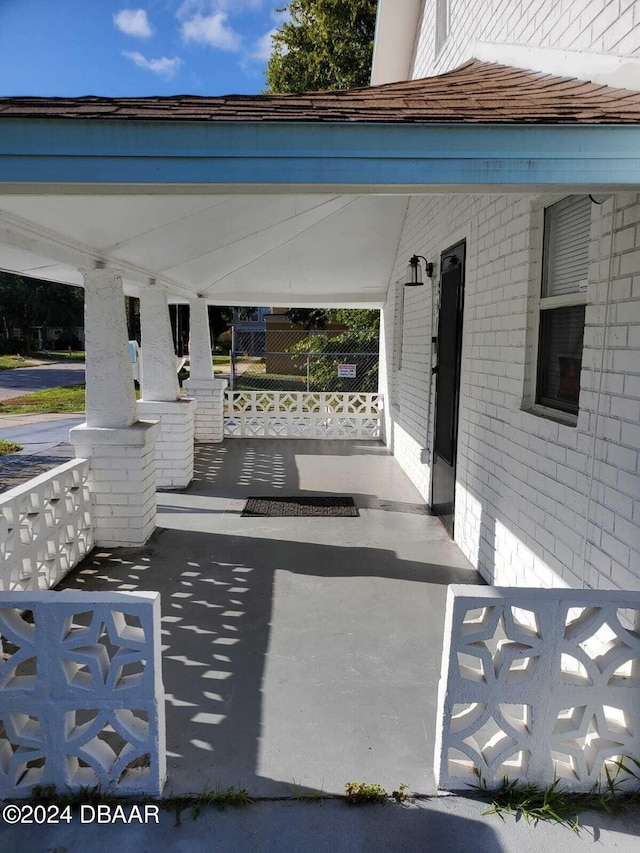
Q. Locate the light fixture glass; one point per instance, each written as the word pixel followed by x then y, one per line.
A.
pixel 413 278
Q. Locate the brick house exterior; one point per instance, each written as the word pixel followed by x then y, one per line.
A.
pixel 538 502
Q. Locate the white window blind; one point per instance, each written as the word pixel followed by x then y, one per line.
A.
pixel 565 273
pixel 566 246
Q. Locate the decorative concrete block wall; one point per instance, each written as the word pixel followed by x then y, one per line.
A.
pixel 538 503
pixel 298 414
pixel 538 685
pixel 81 695
pixel 46 528
pixel 597 26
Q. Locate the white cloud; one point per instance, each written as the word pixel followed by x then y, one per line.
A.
pixel 211 30
pixel 164 66
pixel 189 8
pixel 263 47
pixel 239 5
pixel 133 22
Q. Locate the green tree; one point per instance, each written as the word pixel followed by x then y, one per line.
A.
pixel 326 44
pixel 26 303
pixel 358 345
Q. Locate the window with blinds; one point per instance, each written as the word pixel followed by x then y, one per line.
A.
pixel 565 272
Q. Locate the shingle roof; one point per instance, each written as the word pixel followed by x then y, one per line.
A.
pixel 474 92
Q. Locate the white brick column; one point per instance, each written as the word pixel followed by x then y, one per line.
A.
pixel 161 399
pixel 120 449
pixel 208 391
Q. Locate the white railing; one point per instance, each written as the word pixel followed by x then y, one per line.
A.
pixel 45 527
pixel 297 414
pixel 537 685
pixel 81 695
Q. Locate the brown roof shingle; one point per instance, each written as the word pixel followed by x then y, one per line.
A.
pixel 478 92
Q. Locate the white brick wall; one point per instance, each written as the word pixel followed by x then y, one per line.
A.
pixel 209 418
pixel 597 26
pixel 121 479
pixel 174 445
pixel 526 484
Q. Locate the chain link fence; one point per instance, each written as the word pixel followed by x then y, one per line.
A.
pixel 300 360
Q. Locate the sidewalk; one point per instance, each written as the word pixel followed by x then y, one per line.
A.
pixel 14 421
pixel 442 825
pixel 45 444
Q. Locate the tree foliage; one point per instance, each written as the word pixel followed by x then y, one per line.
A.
pixel 326 44
pixel 26 303
pixel 358 344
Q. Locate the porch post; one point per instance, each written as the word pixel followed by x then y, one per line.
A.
pixel 208 391
pixel 161 398
pixel 120 449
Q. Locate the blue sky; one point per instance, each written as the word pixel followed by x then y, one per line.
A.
pixel 154 47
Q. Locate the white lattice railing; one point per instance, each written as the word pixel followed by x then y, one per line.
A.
pixel 538 684
pixel 297 414
pixel 45 527
pixel 81 695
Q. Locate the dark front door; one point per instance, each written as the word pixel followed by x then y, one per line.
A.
pixel 448 383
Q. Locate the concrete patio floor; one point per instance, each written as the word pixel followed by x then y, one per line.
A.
pixel 297 652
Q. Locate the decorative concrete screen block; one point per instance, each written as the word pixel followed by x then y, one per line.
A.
pixel 297 414
pixel 81 695
pixel 46 528
pixel 538 684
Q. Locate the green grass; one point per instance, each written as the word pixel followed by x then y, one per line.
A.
pixel 9 362
pixel 360 793
pixel 61 355
pixel 269 382
pixel 7 447
pixel 221 359
pixel 557 805
pixel 219 797
pixel 53 400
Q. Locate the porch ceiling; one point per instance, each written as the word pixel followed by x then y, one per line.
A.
pixel 238 249
pixel 289 199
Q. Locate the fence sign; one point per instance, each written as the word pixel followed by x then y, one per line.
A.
pixel 347 371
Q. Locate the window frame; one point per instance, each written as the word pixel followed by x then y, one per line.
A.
pixel 546 303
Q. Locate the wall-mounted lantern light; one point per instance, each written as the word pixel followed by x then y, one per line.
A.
pixel 413 277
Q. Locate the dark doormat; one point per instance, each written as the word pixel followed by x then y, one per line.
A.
pixel 334 506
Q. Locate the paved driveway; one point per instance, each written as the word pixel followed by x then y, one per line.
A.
pixel 24 380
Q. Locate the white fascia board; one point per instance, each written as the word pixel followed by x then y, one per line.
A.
pixel 396 28
pixel 618 71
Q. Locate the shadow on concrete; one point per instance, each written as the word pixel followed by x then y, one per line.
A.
pixel 296 652
pixel 326 827
pixel 217 604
